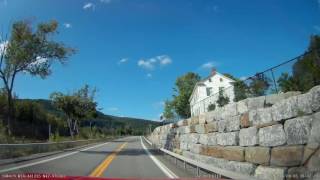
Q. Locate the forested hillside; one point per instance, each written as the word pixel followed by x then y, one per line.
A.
pixel 36 118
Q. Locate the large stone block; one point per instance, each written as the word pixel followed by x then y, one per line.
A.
pixel 315 98
pixel 233 153
pixel 272 136
pixel 286 155
pixel 213 151
pixel 229 124
pixel 309 150
pixel 228 139
pixel 295 173
pixel 222 125
pixel 219 114
pixel 270 173
pixel 202 118
pixel 184 137
pixel 248 136
pixel 313 163
pixel 298 130
pixel 184 146
pixel 274 98
pixel 216 162
pixel 206 128
pixel 209 116
pixel 263 116
pixel 192 128
pixel 252 116
pixel 208 139
pixel 233 123
pixel 211 127
pixel 304 103
pixel 315 129
pixel 212 139
pixel 193 120
pixel 182 123
pixel 242 106
pixel 230 110
pixel 194 138
pixel 258 155
pixel 196 148
pixel 285 109
pixel 203 139
pixel 256 102
pixel 240 167
pixel 200 129
pixel 184 129
pixel 244 120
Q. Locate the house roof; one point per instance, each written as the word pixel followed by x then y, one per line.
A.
pixel 201 82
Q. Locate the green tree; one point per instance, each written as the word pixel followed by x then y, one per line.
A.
pixel 305 71
pixel 222 99
pixel 183 89
pixel 240 88
pixel 259 85
pixel 168 112
pixel 211 107
pixel 77 106
pixel 29 51
pixel 287 83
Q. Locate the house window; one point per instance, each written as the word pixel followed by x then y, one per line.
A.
pixel 209 91
pixel 221 80
pixel 210 80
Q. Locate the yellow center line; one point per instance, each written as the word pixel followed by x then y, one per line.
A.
pixel 98 171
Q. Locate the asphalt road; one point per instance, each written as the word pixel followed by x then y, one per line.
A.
pixel 123 158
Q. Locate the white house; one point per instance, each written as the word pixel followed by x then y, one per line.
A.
pixel 206 92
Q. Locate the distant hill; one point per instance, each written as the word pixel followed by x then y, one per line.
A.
pixel 104 120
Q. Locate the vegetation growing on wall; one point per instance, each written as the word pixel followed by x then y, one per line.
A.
pixel 222 99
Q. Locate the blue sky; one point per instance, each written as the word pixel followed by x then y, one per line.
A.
pixel 133 50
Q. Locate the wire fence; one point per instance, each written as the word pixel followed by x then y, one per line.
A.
pixel 263 83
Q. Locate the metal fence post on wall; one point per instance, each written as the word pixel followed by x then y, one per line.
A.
pixel 274 81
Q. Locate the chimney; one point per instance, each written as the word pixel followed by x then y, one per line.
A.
pixel 213 71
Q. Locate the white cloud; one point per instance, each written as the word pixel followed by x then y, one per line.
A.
pixel 164 60
pixel 209 65
pixel 152 63
pixel 3 46
pixel 146 64
pixel 89 6
pixel 113 109
pixel 38 61
pixel 67 25
pixel 105 1
pixel 316 27
pixel 123 60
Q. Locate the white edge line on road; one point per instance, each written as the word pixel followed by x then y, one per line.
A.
pixel 50 159
pixel 147 141
pixel 164 169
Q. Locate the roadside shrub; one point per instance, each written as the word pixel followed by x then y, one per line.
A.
pixel 222 100
pixel 211 107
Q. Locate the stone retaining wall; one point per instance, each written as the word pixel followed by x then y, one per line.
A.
pixel 268 137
